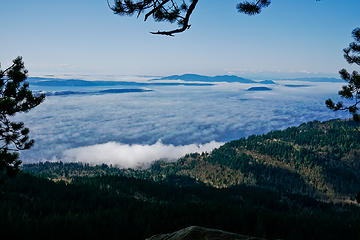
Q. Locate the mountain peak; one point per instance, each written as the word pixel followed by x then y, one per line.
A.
pixel 203 78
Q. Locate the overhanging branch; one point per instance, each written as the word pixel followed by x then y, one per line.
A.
pixel 185 25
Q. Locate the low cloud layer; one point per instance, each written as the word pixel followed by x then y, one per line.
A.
pixel 181 116
pixel 133 156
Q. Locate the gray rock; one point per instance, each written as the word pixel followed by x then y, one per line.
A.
pixel 201 233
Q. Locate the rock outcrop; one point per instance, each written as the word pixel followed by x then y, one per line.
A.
pixel 201 233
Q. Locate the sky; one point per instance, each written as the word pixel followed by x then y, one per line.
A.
pixel 84 37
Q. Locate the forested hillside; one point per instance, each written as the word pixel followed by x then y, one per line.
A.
pixel 317 159
pixel 277 185
pixel 118 207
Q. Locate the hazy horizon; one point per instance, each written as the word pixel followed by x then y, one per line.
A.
pixel 133 129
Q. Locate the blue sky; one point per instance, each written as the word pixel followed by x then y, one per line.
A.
pixel 84 37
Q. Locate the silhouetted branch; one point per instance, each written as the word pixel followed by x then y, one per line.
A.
pixel 178 11
pixel 185 24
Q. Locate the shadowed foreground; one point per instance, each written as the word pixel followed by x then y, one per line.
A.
pixel 201 233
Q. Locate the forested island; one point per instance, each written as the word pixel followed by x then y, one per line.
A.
pixel 253 89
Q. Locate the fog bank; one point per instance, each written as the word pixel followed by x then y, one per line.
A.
pixel 133 156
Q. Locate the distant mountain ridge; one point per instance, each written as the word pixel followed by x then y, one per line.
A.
pixel 58 82
pixel 100 92
pixel 315 79
pixel 234 78
pixel 267 82
pixel 297 85
pixel 203 78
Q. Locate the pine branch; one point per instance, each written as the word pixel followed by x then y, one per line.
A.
pixel 185 23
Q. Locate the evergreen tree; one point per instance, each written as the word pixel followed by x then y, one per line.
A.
pixel 351 91
pixel 15 97
pixel 174 11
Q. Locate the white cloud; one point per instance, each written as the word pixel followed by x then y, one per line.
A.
pixel 133 156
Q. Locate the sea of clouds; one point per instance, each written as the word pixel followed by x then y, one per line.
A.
pixel 133 155
pixel 135 129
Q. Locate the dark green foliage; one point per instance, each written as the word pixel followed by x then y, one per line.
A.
pixel 174 11
pixel 351 91
pixel 59 170
pixel 15 97
pixel 252 8
pixel 331 147
pixel 290 169
pixel 117 207
pixel 229 157
pixel 317 159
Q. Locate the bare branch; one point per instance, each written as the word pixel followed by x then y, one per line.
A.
pixel 155 9
pixel 185 24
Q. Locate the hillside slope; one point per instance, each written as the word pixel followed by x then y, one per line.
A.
pixel 267 186
pixel 118 207
pixel 317 159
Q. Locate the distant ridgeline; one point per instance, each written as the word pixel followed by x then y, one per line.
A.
pixel 60 82
pixel 317 159
pixel 233 78
pixel 202 78
pixel 259 89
